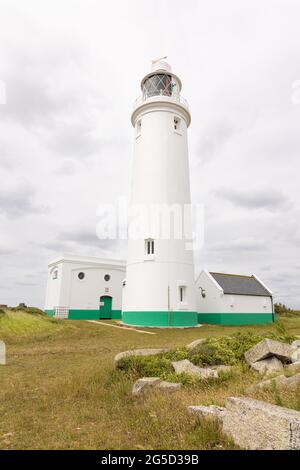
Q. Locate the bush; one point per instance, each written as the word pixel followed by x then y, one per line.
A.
pixel 30 310
pixel 282 310
pixel 2 313
pixel 34 311
pixel 147 366
pixel 228 350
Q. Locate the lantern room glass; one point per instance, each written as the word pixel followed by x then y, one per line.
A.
pixel 158 84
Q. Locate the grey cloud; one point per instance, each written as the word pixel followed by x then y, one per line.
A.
pixel 87 238
pixel 254 199
pixel 20 201
pixel 31 284
pixel 239 245
pixel 75 141
pixel 213 138
pixel 7 251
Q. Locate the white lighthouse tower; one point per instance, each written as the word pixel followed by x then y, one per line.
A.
pixel 159 289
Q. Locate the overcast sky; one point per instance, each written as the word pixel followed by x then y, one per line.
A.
pixel 72 70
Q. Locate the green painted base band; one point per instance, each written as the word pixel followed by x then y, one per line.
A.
pixel 235 318
pixel 163 319
pixel 88 314
pixel 50 313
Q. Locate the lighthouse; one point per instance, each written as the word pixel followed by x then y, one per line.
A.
pixel 159 289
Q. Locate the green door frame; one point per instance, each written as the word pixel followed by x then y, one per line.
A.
pixel 105 311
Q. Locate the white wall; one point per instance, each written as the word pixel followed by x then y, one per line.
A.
pixel 217 302
pixel 160 176
pixel 69 291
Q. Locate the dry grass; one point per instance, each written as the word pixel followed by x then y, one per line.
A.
pixel 59 389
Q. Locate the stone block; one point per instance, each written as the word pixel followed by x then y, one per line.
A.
pixel 268 348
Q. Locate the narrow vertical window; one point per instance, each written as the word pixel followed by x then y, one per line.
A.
pixel 182 293
pixel 149 247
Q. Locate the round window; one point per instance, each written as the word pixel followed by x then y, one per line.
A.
pixel 81 276
pixel 107 277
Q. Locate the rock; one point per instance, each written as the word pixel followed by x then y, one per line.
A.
pixel 257 425
pixel 267 366
pixel 2 353
pixel 296 343
pixel 195 344
pixel 267 348
pixel 212 412
pixel 189 368
pixel 147 382
pixel 281 382
pixel 296 355
pixel 137 352
pixel 293 368
pixel 169 386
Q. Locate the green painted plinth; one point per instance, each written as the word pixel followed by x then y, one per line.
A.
pixel 88 314
pixel 160 319
pixel 50 313
pixel 235 318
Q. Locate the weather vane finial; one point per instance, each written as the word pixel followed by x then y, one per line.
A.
pixel 158 60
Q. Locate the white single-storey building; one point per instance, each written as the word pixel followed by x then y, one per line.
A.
pixel 86 288
pixel 233 299
pixel 81 288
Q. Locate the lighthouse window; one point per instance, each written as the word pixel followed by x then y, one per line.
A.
pixel 159 84
pixel 107 277
pixel 55 274
pixel 182 291
pixel 176 123
pixel 149 247
pixel 81 276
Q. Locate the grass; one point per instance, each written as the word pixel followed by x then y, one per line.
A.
pixel 59 389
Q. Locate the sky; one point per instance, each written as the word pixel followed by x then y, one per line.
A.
pixel 71 70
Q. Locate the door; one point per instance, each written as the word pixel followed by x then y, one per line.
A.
pixel 105 307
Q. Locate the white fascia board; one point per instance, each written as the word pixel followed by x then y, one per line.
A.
pixel 214 281
pixel 205 271
pixel 75 259
pixel 198 277
pixel 262 283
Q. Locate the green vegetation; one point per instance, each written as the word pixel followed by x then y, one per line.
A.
pixel 228 350
pixel 19 324
pixel 282 310
pixel 59 389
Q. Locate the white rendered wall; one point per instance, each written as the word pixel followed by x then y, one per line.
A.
pixel 217 302
pixel 69 291
pixel 160 175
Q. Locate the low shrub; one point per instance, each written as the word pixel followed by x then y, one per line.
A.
pixel 147 366
pixel 2 313
pixel 228 350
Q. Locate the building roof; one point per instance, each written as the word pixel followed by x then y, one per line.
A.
pixel 88 260
pixel 241 285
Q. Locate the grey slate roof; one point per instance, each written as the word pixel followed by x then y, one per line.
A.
pixel 241 285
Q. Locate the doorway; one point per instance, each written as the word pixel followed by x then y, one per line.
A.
pixel 105 307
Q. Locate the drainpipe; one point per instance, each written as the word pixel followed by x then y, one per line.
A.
pixel 273 313
pixel 168 306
